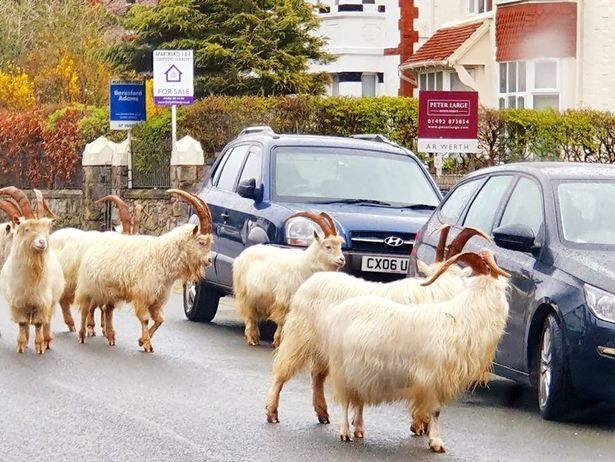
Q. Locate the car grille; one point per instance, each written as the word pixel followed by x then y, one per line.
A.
pixel 374 242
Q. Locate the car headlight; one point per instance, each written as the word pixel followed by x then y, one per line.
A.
pixel 601 303
pixel 300 231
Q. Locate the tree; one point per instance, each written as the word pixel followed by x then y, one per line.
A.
pixel 58 44
pixel 241 47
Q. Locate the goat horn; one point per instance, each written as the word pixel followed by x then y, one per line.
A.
pixel 488 257
pixel 9 208
pixel 462 238
pixel 136 221
pixel 472 259
pixel 21 199
pixel 41 205
pixel 444 230
pixel 330 221
pixel 200 207
pixel 122 207
pixel 318 219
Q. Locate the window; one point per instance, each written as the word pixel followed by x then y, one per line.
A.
pixel 524 206
pixel 451 210
pixel 368 84
pixel 308 174
pixel 513 77
pixel 533 84
pixel 252 167
pixel 230 169
pixel 431 81
pixel 482 211
pixel 479 6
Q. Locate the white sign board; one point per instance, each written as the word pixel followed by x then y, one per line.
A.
pixel 173 77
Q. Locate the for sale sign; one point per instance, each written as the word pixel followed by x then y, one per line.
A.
pixel 448 121
pixel 173 77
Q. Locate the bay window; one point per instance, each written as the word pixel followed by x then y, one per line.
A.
pixel 532 84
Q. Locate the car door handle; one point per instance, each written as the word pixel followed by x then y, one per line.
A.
pixel 224 216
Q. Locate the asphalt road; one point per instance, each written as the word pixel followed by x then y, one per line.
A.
pixel 201 395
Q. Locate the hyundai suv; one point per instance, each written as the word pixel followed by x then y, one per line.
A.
pixel 379 194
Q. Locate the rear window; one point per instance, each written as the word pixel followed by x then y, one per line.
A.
pixel 315 174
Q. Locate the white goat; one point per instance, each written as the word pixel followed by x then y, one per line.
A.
pixel 70 244
pixel 380 351
pixel 266 277
pixel 31 277
pixel 301 344
pixel 142 269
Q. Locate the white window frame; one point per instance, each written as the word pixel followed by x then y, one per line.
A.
pixel 446 80
pixel 472 7
pixel 530 84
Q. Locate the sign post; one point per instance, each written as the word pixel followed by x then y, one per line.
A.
pixel 173 81
pixel 448 122
pixel 126 108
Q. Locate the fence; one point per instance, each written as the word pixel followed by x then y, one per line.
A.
pixel 29 173
pixel 446 182
pixel 157 175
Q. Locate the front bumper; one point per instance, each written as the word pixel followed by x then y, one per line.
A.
pixel 353 266
pixel 592 357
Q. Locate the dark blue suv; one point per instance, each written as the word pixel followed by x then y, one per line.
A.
pixel 379 194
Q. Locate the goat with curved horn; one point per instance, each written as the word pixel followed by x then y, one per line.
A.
pixel 483 264
pixel 122 208
pixel 42 206
pixel 320 220
pixel 462 238
pixel 20 197
pixel 200 207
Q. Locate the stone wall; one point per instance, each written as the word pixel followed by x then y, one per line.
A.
pixel 67 204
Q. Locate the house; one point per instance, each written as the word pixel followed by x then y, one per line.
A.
pixel 369 39
pixel 520 53
pixel 173 74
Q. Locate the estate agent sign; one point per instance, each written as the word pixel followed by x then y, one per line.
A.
pixel 126 104
pixel 173 77
pixel 448 121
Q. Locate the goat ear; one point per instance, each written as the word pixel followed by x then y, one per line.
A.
pixel 16 220
pixel 8 228
pixel 316 236
pixel 195 230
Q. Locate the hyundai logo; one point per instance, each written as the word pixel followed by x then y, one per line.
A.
pixel 394 241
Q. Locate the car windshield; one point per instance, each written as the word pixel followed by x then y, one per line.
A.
pixel 584 214
pixel 330 175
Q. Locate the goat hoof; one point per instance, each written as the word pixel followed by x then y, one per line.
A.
pixel 147 347
pixel 418 428
pixel 140 342
pixel 39 348
pixel 71 328
pixel 345 437
pixel 359 434
pixel 81 338
pixel 323 419
pixel 21 348
pixel 272 417
pixel 111 341
pixel 91 333
pixel 437 445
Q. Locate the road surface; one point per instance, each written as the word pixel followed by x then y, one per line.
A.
pixel 200 397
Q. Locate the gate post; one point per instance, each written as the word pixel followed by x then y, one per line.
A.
pixel 187 172
pixel 96 164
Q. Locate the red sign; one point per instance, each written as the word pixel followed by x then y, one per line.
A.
pixel 448 121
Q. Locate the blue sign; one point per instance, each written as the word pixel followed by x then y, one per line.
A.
pixel 126 104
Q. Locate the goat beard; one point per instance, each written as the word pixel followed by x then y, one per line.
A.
pixel 193 272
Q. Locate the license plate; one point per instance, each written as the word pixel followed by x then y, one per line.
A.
pixel 384 264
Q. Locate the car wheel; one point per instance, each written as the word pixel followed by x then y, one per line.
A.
pixel 200 302
pixel 555 396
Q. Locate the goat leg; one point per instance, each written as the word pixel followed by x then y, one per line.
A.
pixel 22 338
pixel 39 338
pixel 344 426
pixel 357 421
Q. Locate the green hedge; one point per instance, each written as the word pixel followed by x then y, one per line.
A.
pixel 504 136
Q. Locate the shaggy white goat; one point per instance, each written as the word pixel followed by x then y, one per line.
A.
pixel 301 343
pixel 142 269
pixel 380 351
pixel 31 277
pixel 70 244
pixel 266 277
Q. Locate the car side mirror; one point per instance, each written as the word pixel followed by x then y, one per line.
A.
pixel 247 188
pixel 515 237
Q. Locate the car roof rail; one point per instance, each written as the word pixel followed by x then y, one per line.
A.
pixel 263 129
pixel 373 137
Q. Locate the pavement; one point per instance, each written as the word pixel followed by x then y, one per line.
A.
pixel 200 397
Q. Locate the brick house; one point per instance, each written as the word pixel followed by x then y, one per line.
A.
pixel 520 53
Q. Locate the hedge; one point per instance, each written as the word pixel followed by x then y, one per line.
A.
pixel 58 135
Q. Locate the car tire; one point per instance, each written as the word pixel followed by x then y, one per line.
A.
pixel 555 395
pixel 201 302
